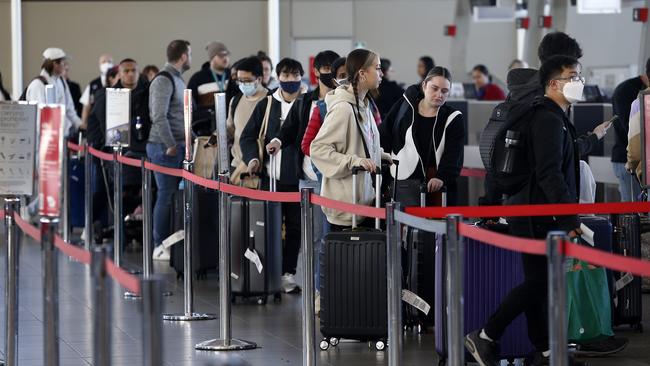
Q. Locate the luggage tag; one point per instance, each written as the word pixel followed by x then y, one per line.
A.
pixel 415 301
pixel 173 239
pixel 624 281
pixel 252 256
pixel 587 234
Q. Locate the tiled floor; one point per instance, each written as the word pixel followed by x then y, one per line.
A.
pixel 275 327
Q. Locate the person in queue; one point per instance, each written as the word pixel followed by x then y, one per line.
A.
pixel 427 137
pixel 349 138
pixel 485 89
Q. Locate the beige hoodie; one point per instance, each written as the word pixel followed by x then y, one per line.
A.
pixel 338 148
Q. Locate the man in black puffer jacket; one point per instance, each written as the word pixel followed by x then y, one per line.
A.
pixel 551 148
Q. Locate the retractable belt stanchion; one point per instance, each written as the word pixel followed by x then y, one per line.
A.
pixel 394 284
pixel 50 292
pixel 557 322
pixel 102 307
pixel 118 217
pixel 454 292
pixel 307 223
pixel 188 270
pixel 226 342
pixel 65 181
pixel 88 199
pixel 147 224
pixel 11 205
pixel 151 321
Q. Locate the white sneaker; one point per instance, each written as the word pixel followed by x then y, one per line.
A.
pixel 289 284
pixel 160 253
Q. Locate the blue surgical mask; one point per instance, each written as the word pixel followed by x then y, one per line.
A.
pixel 290 86
pixel 248 89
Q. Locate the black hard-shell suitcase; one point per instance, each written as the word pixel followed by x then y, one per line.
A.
pixel 353 285
pixel 205 231
pixel 628 306
pixel 419 269
pixel 256 226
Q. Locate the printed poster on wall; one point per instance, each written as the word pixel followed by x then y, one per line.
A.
pixel 50 155
pixel 118 116
pixel 17 148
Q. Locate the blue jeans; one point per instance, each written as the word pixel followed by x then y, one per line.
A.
pixel 167 185
pixel 320 228
pixel 626 183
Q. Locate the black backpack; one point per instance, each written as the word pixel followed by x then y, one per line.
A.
pixel 23 96
pixel 509 119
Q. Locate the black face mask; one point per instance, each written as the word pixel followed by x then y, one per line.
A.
pixel 327 80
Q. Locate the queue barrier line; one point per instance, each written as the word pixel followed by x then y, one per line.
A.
pixel 136 163
pixel 125 279
pixel 531 210
pixel 367 211
pixel 473 172
pixel 432 226
pixel 503 241
pixel 523 245
pixel 100 154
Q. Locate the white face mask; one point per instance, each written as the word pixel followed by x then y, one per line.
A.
pixel 104 67
pixel 573 91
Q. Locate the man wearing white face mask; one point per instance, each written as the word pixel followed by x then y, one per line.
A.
pixel 88 97
pixel 550 144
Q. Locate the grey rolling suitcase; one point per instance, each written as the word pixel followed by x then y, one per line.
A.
pixel 256 227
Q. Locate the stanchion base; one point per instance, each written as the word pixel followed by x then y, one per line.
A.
pixel 188 317
pixel 131 296
pixel 220 345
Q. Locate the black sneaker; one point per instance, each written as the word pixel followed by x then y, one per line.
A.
pixel 605 347
pixel 483 351
pixel 538 359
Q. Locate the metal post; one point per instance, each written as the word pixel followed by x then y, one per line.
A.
pixel 16 48
pixel 188 270
pixel 118 217
pixel 152 329
pixel 394 285
pixel 11 281
pixel 225 343
pixel 454 292
pixel 50 293
pixel 557 322
pixel 307 223
pixel 147 224
pixel 102 308
pixel 88 198
pixel 65 209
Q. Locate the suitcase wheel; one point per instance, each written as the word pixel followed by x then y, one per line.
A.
pixel 324 345
pixel 380 345
pixel 261 300
pixel 334 342
pixel 638 327
pixel 277 297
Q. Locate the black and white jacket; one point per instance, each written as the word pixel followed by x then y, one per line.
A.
pixel 398 138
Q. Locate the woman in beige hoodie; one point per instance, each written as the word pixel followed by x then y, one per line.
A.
pixel 349 138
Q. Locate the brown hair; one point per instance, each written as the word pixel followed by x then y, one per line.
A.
pixel 357 60
pixel 48 65
pixel 177 49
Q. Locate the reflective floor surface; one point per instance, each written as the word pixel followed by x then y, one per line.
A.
pixel 275 327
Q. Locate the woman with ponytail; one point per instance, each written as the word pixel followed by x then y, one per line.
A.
pixel 349 137
pixel 485 89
